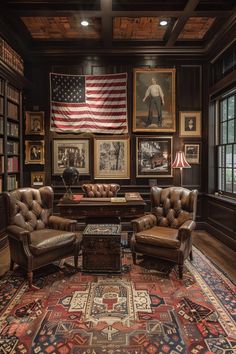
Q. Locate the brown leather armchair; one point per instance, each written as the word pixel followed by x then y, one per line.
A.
pixel 100 190
pixel 36 237
pixel 166 232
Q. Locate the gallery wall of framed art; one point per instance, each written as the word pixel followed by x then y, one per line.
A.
pixel 156 130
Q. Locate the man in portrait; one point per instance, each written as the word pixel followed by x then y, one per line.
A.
pixel 155 99
pixel 36 127
pixel 35 153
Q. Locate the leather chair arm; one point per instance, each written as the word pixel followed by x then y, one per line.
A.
pixel 186 229
pixel 144 222
pixel 59 223
pixel 18 233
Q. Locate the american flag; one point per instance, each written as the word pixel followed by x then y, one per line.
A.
pixel 89 103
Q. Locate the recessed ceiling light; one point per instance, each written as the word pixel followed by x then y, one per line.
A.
pixel 84 23
pixel 163 22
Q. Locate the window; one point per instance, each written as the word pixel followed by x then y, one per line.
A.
pixel 226 149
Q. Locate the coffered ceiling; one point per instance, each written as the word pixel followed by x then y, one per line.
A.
pixel 193 26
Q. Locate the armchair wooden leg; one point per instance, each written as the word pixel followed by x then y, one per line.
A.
pixel 30 282
pixel 191 255
pixel 134 257
pixel 76 261
pixel 181 267
pixel 11 264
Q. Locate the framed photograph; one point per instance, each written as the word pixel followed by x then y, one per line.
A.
pixel 192 153
pixel 37 179
pixel 153 156
pixel 111 158
pixel 154 100
pixel 34 123
pixel 190 124
pixel 70 153
pixel 34 152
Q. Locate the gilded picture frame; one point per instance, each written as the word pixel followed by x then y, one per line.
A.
pixel 37 179
pixel 34 152
pixel 111 158
pixel 70 153
pixel 34 123
pixel 154 156
pixel 190 124
pixel 154 100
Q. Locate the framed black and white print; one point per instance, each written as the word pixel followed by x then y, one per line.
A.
pixel 153 156
pixel 192 153
pixel 70 153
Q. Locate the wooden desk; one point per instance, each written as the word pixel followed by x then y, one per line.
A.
pixel 97 209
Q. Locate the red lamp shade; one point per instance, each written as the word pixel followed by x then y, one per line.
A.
pixel 180 161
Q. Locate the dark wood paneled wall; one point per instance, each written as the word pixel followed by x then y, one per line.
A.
pixel 188 97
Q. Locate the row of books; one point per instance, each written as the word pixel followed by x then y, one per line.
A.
pixel 10 57
pixel 1 105
pixel 13 164
pixel 12 182
pixel 12 147
pixel 1 87
pixel 1 164
pixel 12 129
pixel 12 110
pixel 13 94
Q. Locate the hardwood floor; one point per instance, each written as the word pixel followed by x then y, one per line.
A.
pixel 221 255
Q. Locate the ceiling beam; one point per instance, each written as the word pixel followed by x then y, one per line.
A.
pixel 107 27
pixel 177 28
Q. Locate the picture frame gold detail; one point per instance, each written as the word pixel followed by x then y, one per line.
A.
pixel 111 158
pixel 71 153
pixel 34 123
pixel 37 179
pixel 34 152
pixel 192 153
pixel 154 100
pixel 190 124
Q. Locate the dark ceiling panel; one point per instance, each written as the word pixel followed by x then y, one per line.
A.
pixel 196 28
pixel 62 28
pixel 142 28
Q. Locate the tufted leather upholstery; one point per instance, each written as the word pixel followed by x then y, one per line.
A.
pixel 100 190
pixel 36 237
pixel 166 233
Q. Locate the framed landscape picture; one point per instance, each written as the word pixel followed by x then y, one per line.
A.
pixel 34 123
pixel 37 179
pixel 34 152
pixel 192 153
pixel 70 153
pixel 153 156
pixel 154 100
pixel 190 124
pixel 111 158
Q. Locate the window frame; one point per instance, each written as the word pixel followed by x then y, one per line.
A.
pixel 225 143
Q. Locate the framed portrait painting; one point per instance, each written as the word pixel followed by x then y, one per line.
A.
pixel 34 152
pixel 190 124
pixel 37 179
pixel 153 156
pixel 71 153
pixel 111 158
pixel 154 100
pixel 192 153
pixel 34 123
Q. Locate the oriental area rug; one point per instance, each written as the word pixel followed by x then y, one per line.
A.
pixel 145 309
